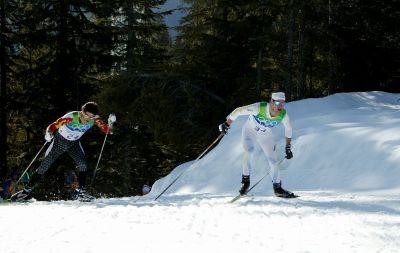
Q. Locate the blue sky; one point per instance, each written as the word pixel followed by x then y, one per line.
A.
pixel 173 19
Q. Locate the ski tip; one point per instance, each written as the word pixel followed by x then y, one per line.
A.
pixel 291 196
pixel 19 196
pixel 5 201
pixel 9 201
pixel 234 199
pixel 85 200
pixel 237 198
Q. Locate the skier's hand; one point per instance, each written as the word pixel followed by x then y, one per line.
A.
pixel 111 119
pixel 223 128
pixel 48 136
pixel 288 151
pixel 110 130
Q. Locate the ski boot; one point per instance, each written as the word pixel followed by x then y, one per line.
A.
pixel 82 195
pixel 245 185
pixel 22 195
pixel 26 193
pixel 282 193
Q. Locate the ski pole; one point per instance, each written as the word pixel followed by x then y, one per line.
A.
pixel 34 159
pixel 98 160
pixel 111 121
pixel 269 171
pixel 194 165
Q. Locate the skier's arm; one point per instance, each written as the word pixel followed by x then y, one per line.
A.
pixel 102 125
pixel 244 110
pixel 53 127
pixel 288 128
pixel 288 136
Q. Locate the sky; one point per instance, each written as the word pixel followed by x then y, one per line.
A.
pixel 345 168
pixel 173 19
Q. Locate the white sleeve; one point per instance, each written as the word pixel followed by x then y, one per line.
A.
pixel 288 126
pixel 252 109
pixel 69 115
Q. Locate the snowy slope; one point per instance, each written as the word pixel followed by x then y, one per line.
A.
pixel 345 142
pixel 346 149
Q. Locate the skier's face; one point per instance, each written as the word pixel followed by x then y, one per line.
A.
pixel 87 116
pixel 278 105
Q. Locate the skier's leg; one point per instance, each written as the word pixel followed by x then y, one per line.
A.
pixel 55 149
pixel 268 146
pixel 77 153
pixel 248 148
pixel 58 146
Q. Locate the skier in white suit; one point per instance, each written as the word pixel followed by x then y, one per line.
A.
pixel 263 117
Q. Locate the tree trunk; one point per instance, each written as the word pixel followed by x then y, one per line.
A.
pixel 3 96
pixel 310 70
pixel 62 44
pixel 259 68
pixel 131 37
pixel 288 85
pixel 127 143
pixel 330 54
pixel 302 69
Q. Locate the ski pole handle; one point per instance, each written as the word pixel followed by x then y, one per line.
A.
pixel 111 119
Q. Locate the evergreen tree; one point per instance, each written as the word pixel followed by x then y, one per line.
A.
pixel 141 44
pixel 169 98
pixel 60 50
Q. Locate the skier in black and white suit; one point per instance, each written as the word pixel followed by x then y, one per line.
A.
pixel 64 135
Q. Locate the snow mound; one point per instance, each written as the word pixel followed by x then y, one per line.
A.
pixel 346 142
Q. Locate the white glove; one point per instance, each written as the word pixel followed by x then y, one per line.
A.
pixel 111 119
pixel 48 136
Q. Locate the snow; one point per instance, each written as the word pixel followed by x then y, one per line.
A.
pixel 346 150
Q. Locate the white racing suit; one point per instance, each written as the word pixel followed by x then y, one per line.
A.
pixel 258 129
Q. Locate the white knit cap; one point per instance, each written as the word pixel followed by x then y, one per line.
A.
pixel 278 96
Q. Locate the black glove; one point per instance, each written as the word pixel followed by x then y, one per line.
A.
pixel 289 153
pixel 223 128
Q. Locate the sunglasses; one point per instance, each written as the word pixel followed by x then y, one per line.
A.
pixel 277 103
